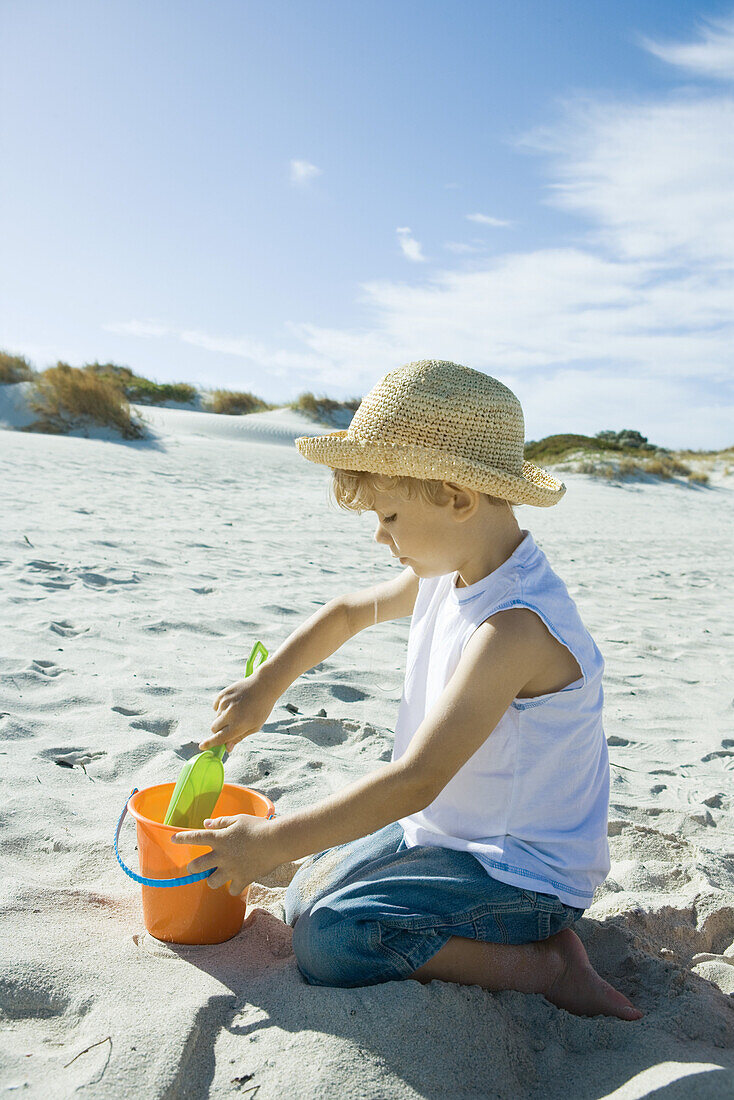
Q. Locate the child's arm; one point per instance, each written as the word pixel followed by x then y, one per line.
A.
pixel 498 660
pixel 244 706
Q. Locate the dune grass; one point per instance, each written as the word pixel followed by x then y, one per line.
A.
pixel 14 368
pixel 235 403
pixel 322 408
pixel 65 397
pixel 143 391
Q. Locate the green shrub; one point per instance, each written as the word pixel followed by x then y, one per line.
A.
pixel 626 438
pixel 67 397
pixel 14 368
pixel 556 447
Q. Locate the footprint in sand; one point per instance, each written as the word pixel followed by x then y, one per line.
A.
pixel 99 580
pixel 34 996
pixel 128 711
pixel 345 693
pixel 55 584
pixel 164 625
pixel 189 750
pixel 47 567
pixel 45 668
pixel 325 732
pixel 67 629
pixel 71 756
pixel 162 727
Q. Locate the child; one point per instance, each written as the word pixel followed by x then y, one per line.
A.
pixel 469 857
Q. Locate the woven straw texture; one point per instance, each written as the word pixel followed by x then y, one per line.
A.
pixel 440 420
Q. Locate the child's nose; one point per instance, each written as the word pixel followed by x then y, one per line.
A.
pixel 381 535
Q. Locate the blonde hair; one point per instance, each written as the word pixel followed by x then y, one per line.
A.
pixel 355 490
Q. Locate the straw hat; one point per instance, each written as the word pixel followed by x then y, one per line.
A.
pixel 438 420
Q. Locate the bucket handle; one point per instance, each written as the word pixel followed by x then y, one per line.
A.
pixel 186 880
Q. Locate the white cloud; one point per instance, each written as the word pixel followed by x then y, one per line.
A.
pixel 277 361
pixel 410 246
pixel 536 311
pixel 487 219
pixel 627 324
pixel 711 57
pixel 301 171
pixel 655 179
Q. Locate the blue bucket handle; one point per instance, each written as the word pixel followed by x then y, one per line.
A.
pixel 186 880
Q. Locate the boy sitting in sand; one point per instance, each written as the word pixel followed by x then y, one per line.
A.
pixel 470 856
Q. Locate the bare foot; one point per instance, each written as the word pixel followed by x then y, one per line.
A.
pixel 578 988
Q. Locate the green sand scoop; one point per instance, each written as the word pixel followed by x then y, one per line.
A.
pixel 201 780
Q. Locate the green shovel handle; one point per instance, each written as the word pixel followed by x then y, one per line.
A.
pixel 258 650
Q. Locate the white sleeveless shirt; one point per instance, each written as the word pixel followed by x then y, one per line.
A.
pixel 532 802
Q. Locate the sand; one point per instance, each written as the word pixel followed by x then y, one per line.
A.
pixel 135 578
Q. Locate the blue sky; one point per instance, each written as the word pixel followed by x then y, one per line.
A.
pixel 280 196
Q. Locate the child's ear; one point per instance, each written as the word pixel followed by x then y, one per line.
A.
pixel 464 502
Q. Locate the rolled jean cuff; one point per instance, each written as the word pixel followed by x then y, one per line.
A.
pixel 411 952
pixel 375 953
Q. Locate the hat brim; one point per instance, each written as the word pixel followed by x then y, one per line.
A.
pixel 341 451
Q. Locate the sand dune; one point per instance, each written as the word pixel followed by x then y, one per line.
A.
pixel 170 421
pixel 135 578
pixel 274 426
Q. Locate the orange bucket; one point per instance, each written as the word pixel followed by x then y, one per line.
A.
pixel 190 912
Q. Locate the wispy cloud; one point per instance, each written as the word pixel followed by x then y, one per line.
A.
pixel 410 246
pixel 277 361
pixel 654 179
pixel 301 171
pixel 629 323
pixel 711 56
pixel 487 219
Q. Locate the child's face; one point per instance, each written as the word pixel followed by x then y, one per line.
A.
pixel 421 535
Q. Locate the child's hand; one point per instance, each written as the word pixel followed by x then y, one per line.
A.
pixel 243 850
pixel 242 708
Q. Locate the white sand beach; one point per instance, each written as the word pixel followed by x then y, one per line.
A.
pixel 135 578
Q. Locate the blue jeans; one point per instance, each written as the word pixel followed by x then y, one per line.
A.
pixel 374 910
